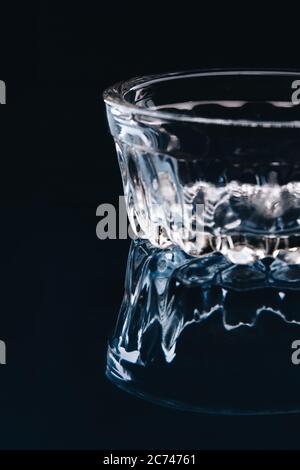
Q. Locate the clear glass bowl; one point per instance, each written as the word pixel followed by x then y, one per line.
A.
pixel 210 163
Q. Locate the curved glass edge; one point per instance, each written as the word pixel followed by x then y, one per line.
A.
pixel 114 96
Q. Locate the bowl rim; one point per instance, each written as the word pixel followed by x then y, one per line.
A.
pixel 114 96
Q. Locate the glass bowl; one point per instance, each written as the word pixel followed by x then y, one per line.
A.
pixel 210 163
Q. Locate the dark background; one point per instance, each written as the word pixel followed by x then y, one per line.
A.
pixel 61 287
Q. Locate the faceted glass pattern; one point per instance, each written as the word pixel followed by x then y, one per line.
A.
pixel 210 164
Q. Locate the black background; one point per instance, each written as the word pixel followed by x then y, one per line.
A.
pixel 61 287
